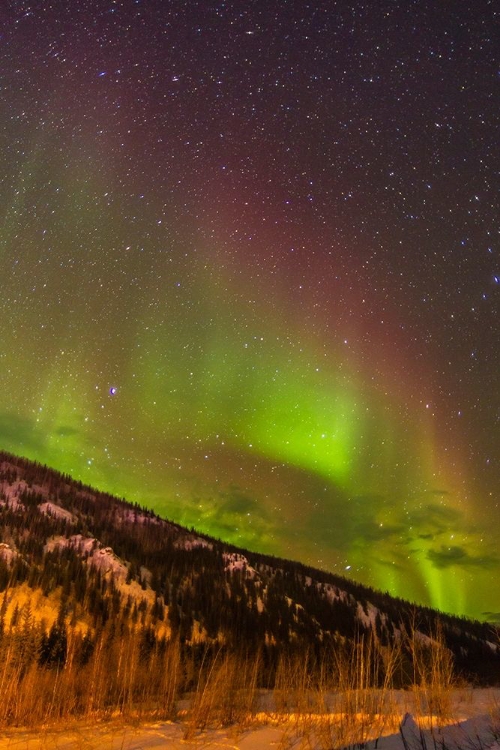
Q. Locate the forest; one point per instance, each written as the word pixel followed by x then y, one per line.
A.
pixel 105 608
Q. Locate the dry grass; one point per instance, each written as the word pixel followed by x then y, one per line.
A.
pixel 226 694
pixel 341 701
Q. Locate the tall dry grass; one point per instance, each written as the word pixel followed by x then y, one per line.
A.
pixel 350 702
pixel 118 679
pixel 340 697
pixel 433 673
pixel 226 692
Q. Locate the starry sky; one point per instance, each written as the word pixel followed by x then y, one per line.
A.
pixel 250 275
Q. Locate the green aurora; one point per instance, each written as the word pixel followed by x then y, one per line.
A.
pixel 315 453
pixel 231 316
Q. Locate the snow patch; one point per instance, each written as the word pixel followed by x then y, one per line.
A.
pixel 235 561
pixel 12 492
pixel 6 552
pixel 51 509
pixel 367 617
pixel 84 544
pixel 7 466
pixel 193 543
pixel 132 516
pixel 104 558
pixel 332 593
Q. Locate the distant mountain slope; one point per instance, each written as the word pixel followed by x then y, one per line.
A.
pixel 73 559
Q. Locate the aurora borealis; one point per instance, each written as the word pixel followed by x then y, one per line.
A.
pixel 250 278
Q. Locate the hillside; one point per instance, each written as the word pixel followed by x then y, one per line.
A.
pixel 94 584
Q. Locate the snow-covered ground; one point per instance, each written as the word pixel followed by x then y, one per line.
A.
pixel 473 724
pixel 51 509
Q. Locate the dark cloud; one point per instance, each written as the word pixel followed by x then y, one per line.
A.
pixel 66 431
pixel 20 434
pixel 390 563
pixel 372 500
pixel 372 531
pixel 433 519
pixel 235 516
pixel 493 617
pixel 446 557
pixel 238 502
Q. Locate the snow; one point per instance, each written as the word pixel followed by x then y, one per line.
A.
pixel 7 466
pixel 135 516
pixel 333 594
pixel 102 557
pixel 193 543
pixel 84 544
pixel 6 552
pixel 235 561
pixel 51 509
pixel 368 619
pixel 12 492
pixel 105 559
pixel 473 725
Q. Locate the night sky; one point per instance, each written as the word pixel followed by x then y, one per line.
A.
pixel 250 274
